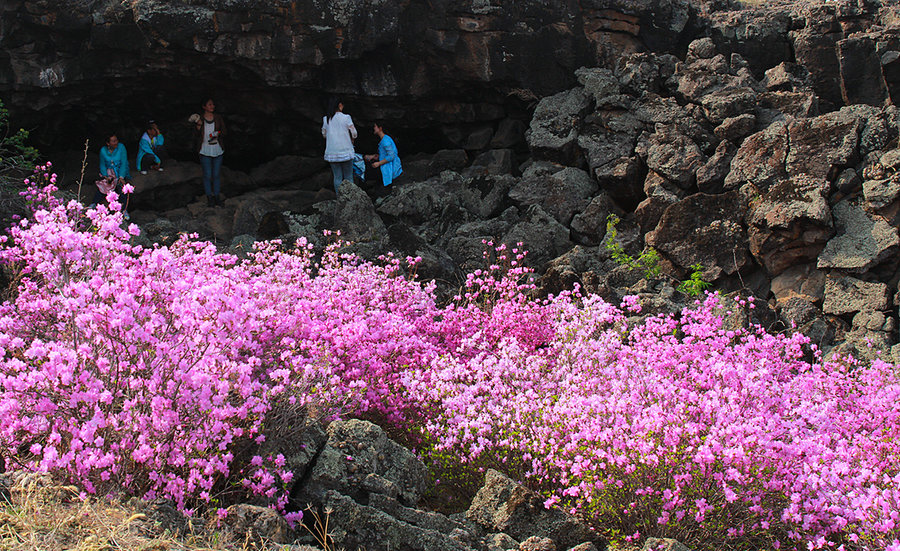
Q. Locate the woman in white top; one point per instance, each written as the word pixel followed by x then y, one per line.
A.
pixel 339 133
pixel 210 132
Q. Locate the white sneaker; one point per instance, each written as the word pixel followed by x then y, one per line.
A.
pixel 159 169
pixel 143 172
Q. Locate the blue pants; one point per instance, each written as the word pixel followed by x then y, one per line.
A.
pixel 342 171
pixel 212 166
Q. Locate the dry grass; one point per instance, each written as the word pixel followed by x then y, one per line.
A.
pixel 38 515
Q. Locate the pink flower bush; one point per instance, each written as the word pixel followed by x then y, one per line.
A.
pixel 159 370
pixel 678 428
pixel 151 369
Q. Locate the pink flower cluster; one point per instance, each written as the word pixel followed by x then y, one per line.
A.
pixel 150 369
pixel 159 370
pixel 676 427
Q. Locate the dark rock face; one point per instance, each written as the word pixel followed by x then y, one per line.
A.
pixel 271 64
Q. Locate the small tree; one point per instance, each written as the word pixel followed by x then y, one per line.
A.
pixel 15 154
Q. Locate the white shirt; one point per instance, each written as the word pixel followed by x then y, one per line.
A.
pixel 210 149
pixel 338 134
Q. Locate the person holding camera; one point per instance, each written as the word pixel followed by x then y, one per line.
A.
pixel 210 129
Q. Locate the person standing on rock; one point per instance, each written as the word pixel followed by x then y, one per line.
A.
pixel 387 159
pixel 150 149
pixel 210 129
pixel 339 133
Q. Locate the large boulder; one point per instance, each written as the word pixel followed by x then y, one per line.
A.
pixel 561 194
pixel 502 505
pixel 862 241
pixel 356 449
pixel 589 225
pixel 355 216
pixel 353 525
pixel 859 63
pixel 671 154
pixel 786 172
pixel 541 234
pixel 287 169
pixel 255 523
pixel 553 133
pixel 790 224
pixel 175 187
pixel 848 295
pixel 705 230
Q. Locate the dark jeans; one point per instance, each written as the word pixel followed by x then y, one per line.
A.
pixel 212 166
pixel 148 160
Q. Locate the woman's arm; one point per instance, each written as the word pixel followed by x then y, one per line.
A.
pixel 147 149
pixel 125 171
pixel 104 162
pixel 390 151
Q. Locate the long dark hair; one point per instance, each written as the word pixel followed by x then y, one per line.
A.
pixel 334 104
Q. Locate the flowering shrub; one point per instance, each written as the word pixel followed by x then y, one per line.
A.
pixel 158 370
pixel 679 428
pixel 154 369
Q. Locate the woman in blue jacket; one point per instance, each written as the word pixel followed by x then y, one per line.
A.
pixel 388 160
pixel 150 148
pixel 114 170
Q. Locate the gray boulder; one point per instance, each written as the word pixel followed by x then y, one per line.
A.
pixel 175 187
pixel 589 225
pixel 862 241
pixel 255 523
pixel 286 169
pixel 663 544
pixel 561 194
pixel 540 234
pixel 553 133
pixel 790 224
pixel 502 505
pixel 704 229
pixel 423 166
pixel 711 176
pixel 599 83
pixel 880 194
pixel 735 129
pixel 848 295
pixel 493 161
pixel 671 154
pixel 535 543
pixel 355 216
pixel 358 526
pixel 419 202
pixel 510 133
pixel 729 102
pixel 356 449
pixel 859 62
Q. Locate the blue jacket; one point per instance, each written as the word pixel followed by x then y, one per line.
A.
pixel 387 151
pixel 117 160
pixel 147 146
